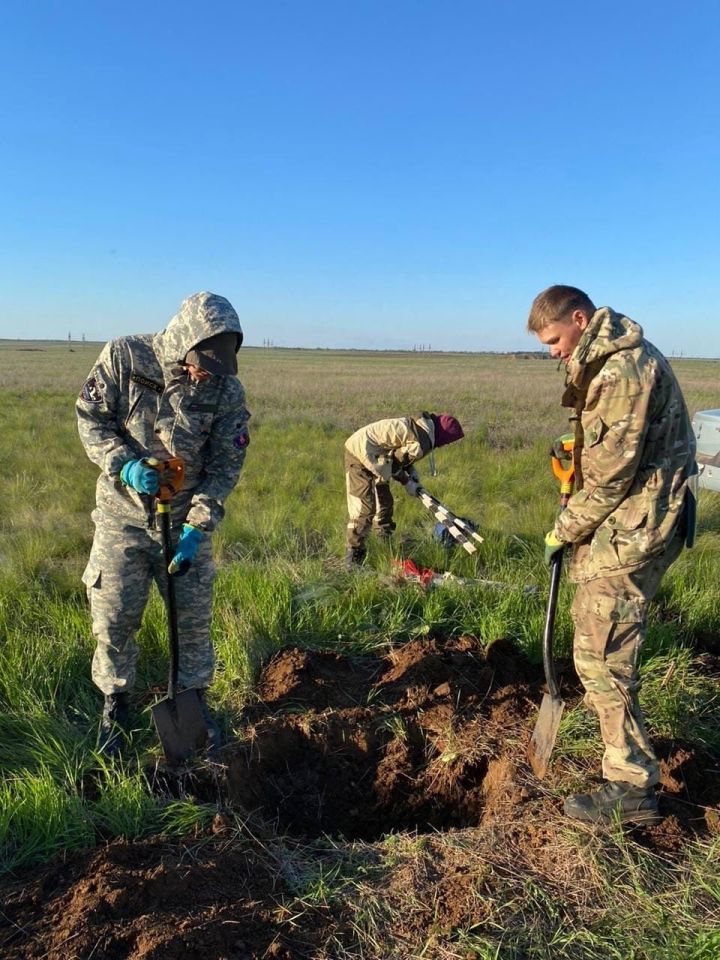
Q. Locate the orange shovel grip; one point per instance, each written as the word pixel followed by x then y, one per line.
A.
pixel 566 475
pixel 172 476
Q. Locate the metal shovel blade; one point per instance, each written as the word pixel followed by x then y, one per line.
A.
pixel 545 734
pixel 180 726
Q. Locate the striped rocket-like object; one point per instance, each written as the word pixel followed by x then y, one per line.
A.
pixel 458 529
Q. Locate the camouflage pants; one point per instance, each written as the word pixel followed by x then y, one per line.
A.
pixel 123 563
pixel 610 616
pixel 368 500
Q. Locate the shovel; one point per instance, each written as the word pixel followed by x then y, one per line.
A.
pixel 178 717
pixel 551 708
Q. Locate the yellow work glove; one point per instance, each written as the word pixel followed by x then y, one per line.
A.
pixel 552 545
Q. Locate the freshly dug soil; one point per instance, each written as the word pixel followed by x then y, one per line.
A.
pixel 430 739
pixel 413 753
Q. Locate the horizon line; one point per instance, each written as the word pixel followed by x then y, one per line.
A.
pixel 259 346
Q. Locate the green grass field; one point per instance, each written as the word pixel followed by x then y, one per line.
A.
pixel 281 581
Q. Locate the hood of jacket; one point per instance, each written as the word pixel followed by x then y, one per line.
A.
pixel 427 426
pixel 200 316
pixel 606 333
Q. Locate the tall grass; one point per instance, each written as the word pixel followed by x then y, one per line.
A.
pixel 281 581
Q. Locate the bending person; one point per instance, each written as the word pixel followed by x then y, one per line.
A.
pixel 377 453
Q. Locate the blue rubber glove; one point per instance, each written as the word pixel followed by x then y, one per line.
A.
pixel 138 475
pixel 186 550
pixel 552 545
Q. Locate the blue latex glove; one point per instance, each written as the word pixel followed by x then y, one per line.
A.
pixel 552 545
pixel 186 550
pixel 138 475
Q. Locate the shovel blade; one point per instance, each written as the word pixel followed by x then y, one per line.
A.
pixel 545 734
pixel 180 726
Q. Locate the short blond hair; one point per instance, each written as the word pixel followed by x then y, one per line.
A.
pixel 555 303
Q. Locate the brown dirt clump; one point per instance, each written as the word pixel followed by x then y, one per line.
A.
pixel 427 743
pixel 313 680
pixel 414 756
pixel 154 900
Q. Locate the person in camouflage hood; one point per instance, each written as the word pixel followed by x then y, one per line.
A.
pixel 634 459
pixel 377 453
pixel 172 394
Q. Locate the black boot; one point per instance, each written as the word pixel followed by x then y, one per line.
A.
pixel 615 800
pixel 355 557
pixel 114 723
pixel 213 730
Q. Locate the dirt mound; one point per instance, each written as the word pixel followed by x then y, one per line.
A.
pixel 430 739
pixel 154 900
pixel 319 680
pixel 415 756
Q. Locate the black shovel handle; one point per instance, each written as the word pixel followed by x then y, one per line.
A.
pixel 163 509
pixel 548 659
pixel 555 572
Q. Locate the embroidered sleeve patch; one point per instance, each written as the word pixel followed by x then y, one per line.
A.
pixel 241 439
pixel 90 392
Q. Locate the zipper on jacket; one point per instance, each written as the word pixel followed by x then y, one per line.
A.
pixel 131 411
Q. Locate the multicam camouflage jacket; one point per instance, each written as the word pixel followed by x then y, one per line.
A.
pixel 139 402
pixel 386 446
pixel 634 450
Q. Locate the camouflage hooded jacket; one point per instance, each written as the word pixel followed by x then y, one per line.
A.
pixel 385 446
pixel 634 450
pixel 139 402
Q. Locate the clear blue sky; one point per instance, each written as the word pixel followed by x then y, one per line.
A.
pixel 363 174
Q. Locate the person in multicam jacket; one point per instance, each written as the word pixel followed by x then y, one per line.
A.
pixel 377 453
pixel 634 460
pixel 171 394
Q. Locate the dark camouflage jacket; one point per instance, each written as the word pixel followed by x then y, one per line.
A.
pixel 138 402
pixel 634 449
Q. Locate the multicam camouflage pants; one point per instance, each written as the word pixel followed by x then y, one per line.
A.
pixel 610 616
pixel 123 563
pixel 368 500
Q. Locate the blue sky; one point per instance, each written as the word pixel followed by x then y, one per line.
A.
pixel 362 174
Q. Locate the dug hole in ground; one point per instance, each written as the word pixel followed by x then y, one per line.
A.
pixel 428 743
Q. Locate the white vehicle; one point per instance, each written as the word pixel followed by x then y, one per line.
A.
pixel 706 425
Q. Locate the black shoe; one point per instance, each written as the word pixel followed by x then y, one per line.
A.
pixel 615 800
pixel 213 730
pixel 355 557
pixel 114 723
